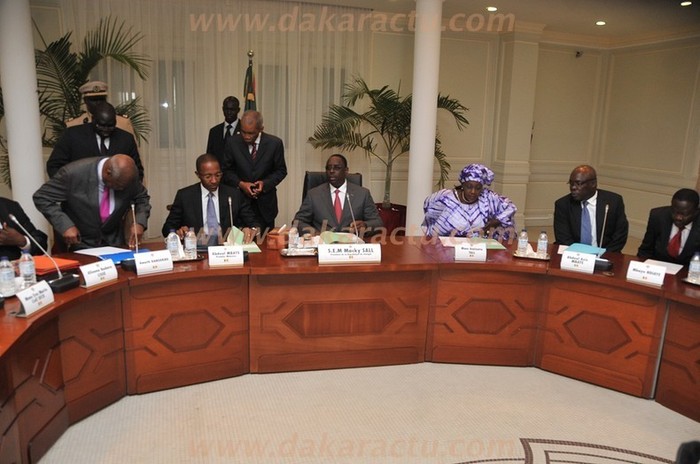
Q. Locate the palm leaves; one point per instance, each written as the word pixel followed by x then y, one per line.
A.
pixel 383 131
pixel 60 72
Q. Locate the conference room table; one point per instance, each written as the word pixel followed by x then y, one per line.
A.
pixel 144 333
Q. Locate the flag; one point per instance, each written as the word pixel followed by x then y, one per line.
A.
pixel 249 88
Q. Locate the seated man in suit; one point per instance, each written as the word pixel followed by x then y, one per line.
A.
pixel 12 238
pixel 89 202
pixel 331 206
pixel 206 204
pixel 99 138
pixel 94 92
pixel 221 132
pixel 673 232
pixel 580 216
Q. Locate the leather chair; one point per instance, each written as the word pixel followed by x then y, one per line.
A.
pixel 315 178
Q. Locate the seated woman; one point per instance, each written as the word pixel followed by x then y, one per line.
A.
pixel 470 209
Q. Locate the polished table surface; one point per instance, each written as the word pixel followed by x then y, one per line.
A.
pixel 194 324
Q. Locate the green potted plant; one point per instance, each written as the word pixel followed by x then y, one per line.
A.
pixel 60 72
pixel 382 131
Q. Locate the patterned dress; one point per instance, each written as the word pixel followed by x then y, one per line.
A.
pixel 446 215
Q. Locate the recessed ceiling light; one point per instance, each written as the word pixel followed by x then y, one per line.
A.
pixel 491 8
pixel 686 3
pixel 600 23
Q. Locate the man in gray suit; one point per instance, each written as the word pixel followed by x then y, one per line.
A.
pixel 89 202
pixel 332 206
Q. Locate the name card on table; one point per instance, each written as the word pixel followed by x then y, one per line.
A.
pixel 577 262
pixel 34 298
pixel 468 251
pixel 339 253
pixel 153 261
pixel 227 255
pixel 98 273
pixel 643 273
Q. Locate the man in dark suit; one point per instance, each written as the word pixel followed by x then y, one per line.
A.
pixel 254 162
pixel 191 207
pixel 89 202
pixel 218 134
pixel 673 232
pixel 101 137
pixel 580 216
pixel 12 239
pixel 332 205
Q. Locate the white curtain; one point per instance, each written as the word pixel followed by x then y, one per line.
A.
pixel 303 55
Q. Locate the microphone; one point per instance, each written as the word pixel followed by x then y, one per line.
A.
pixel 603 264
pixel 133 218
pixel 352 215
pixel 605 220
pixel 230 213
pixel 63 282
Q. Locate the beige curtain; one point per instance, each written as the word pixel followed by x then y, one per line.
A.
pixel 303 55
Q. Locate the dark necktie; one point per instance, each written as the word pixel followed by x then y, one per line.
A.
pixel 228 131
pixel 103 146
pixel 253 151
pixel 586 236
pixel 337 206
pixel 674 246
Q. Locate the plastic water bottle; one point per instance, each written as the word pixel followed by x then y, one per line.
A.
pixel 190 244
pixel 694 269
pixel 27 270
pixel 293 238
pixel 542 243
pixel 522 242
pixel 172 242
pixel 7 277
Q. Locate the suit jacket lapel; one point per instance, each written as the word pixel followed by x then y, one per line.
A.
pixel 223 211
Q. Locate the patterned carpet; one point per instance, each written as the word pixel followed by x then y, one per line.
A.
pixel 422 413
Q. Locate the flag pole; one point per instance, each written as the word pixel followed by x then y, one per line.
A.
pixel 249 85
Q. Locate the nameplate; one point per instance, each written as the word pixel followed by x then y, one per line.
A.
pixel 227 255
pixel 577 262
pixel 98 273
pixel 471 252
pixel 34 298
pixel 153 261
pixel 643 273
pixel 349 253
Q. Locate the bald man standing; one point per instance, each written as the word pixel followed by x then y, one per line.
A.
pixel 89 202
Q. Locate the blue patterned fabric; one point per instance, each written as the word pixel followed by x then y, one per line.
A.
pixel 446 215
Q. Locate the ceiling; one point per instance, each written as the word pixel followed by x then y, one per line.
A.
pixel 626 19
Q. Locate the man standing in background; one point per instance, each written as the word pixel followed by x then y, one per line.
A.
pixel 221 132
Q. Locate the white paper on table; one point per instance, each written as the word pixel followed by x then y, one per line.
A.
pixel 100 251
pixel 671 268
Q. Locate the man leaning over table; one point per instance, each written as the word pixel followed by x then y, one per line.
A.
pixel 88 202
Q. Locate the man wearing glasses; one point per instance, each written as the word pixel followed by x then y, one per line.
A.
pixel 206 204
pixel 589 215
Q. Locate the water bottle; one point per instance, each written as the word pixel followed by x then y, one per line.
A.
pixel 27 270
pixel 293 238
pixel 694 269
pixel 172 242
pixel 7 277
pixel 522 242
pixel 190 244
pixel 542 243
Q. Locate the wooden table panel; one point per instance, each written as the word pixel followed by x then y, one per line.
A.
pixel 331 320
pixel 185 328
pixel 10 449
pixel 92 353
pixel 678 387
pixel 606 335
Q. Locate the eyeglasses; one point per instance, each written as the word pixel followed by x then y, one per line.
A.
pixel 579 183
pixel 216 175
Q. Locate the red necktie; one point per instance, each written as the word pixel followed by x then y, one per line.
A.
pixel 254 151
pixel 674 246
pixel 337 206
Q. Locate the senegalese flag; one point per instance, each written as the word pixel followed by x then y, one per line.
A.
pixel 249 88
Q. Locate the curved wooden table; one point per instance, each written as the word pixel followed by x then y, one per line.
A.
pixel 196 324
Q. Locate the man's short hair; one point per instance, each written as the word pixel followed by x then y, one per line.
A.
pixel 343 158
pixel 233 99
pixel 206 158
pixel 686 194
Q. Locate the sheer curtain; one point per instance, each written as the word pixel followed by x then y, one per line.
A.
pixel 303 55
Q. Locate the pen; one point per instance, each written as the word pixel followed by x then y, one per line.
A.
pixel 281 229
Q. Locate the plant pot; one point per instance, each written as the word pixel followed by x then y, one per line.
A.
pixel 393 217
